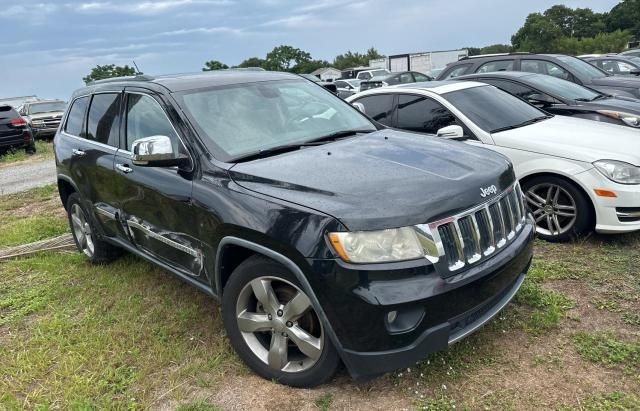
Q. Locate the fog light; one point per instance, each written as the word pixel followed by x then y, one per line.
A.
pixel 391 316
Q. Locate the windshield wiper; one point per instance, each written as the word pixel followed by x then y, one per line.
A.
pixel 265 152
pixel 598 97
pixel 524 123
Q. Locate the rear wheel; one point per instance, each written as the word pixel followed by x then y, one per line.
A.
pixel 560 209
pixel 273 326
pixel 85 235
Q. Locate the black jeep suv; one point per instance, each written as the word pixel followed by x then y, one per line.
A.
pixel 558 65
pixel 325 236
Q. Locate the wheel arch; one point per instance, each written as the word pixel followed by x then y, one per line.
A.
pixel 249 248
pixel 569 180
pixel 66 187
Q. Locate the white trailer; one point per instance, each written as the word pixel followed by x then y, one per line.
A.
pixel 421 62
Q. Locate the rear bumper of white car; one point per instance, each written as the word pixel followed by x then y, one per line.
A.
pixel 618 214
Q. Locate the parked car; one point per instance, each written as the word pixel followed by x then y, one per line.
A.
pixel 43 116
pixel 617 65
pixel 347 88
pixel 631 52
pixel 557 96
pixel 325 236
pixel 557 65
pixel 326 84
pixel 576 174
pixel 14 132
pixel 393 79
pixel 363 73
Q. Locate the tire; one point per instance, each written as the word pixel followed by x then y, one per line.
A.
pixel 30 149
pixel 85 234
pixel 272 322
pixel 561 210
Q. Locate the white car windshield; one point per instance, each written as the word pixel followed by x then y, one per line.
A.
pixel 244 119
pixel 494 110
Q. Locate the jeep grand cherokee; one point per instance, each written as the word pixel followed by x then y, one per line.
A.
pixel 326 237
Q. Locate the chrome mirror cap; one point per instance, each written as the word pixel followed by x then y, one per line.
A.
pixel 152 149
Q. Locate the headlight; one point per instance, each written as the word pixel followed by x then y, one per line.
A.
pixel 618 171
pixel 394 244
pixel 629 119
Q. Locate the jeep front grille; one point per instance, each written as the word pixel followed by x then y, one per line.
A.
pixel 474 235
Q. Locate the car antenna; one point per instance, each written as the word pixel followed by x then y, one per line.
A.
pixel 138 72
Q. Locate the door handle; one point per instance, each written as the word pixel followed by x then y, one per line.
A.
pixel 78 152
pixel 123 168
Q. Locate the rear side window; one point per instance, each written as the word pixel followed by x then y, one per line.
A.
pixel 422 114
pixel 75 119
pixel 500 65
pixel 456 71
pixel 103 122
pixel 379 108
pixel 544 67
pixel 510 87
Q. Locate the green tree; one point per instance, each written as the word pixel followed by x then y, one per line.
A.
pixel 351 59
pixel 625 16
pixel 536 35
pixel 109 71
pixel 285 58
pixel 214 65
pixel 310 66
pixel 253 62
pixel 496 48
pixel 473 51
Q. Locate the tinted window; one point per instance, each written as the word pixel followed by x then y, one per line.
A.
pixel 562 88
pixel 75 120
pixel 456 71
pixel 378 107
pixel 581 68
pixel 422 114
pixel 406 78
pixel 493 109
pixel 544 67
pixel 146 118
pixel 510 87
pixel 421 77
pixel 500 65
pixel 103 120
pixel 48 107
pixel 341 84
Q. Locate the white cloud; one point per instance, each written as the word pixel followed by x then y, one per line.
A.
pixel 147 7
pixel 201 30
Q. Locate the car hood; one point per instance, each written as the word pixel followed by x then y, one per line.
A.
pixel 577 139
pixel 380 180
pixel 617 81
pixel 52 114
pixel 616 103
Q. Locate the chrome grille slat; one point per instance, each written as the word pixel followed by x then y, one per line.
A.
pixel 475 235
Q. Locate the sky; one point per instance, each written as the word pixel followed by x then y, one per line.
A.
pixel 46 47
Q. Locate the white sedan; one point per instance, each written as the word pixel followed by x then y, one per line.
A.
pixel 577 175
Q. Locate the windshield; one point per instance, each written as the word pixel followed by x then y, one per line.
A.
pixel 635 60
pixel 243 119
pixel 492 109
pixel 562 88
pixel 47 107
pixel 581 68
pixel 376 73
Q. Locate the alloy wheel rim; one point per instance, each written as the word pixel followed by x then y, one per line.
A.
pixel 553 208
pixel 82 230
pixel 279 325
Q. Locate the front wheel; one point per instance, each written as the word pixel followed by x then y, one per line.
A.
pixel 562 212
pixel 273 326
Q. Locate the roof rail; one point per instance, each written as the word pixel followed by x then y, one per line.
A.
pixel 515 53
pixel 137 77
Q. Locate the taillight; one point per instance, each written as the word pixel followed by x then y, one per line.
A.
pixel 26 136
pixel 17 122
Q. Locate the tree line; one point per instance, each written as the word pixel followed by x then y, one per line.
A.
pixel 559 29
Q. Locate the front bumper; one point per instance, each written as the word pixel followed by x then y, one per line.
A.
pixel 431 312
pixel 610 211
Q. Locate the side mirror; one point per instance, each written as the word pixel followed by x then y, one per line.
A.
pixel 360 107
pixel 156 151
pixel 453 131
pixel 540 99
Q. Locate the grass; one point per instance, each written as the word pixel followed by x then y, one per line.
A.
pixel 606 349
pixel 324 401
pixel 128 335
pixel 44 150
